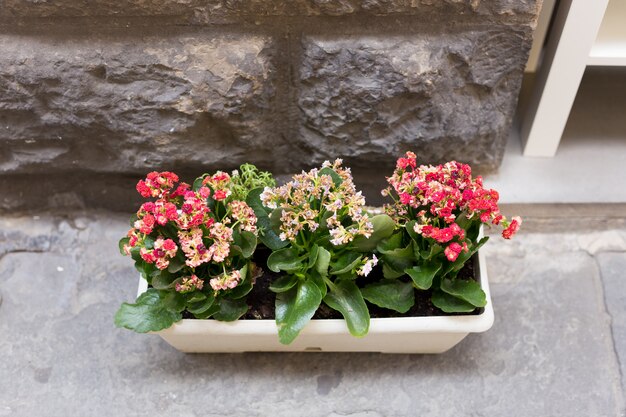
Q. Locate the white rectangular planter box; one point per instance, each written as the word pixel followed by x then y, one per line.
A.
pixel 387 335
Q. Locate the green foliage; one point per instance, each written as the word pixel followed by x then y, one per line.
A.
pixel 423 275
pixel 391 294
pixel 423 260
pixel 345 297
pixel 149 314
pixel 266 234
pixel 294 309
pixel 248 177
pixel 383 228
pixel 318 263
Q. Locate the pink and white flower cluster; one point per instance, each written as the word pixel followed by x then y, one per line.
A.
pixel 226 281
pixel 313 197
pixel 180 218
pixel 436 197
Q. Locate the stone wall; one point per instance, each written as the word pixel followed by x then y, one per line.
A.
pixel 95 93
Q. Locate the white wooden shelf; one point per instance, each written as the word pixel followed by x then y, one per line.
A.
pixel 583 33
pixel 609 49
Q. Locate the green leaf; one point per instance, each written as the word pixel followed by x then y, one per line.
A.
pixel 345 263
pixel 337 180
pixel 213 308
pixel 383 228
pixel 174 301
pixel 389 272
pixel 313 255
pixel 284 260
pixel 197 184
pixel 123 241
pixel 248 243
pixel 202 306
pixel 318 279
pixel 422 275
pixel 177 263
pixel 409 227
pixel 148 242
pixel 195 297
pixel 284 283
pixel 435 249
pixel 271 239
pixel 244 287
pixel 231 310
pixel 467 290
pixel 163 280
pixel 450 304
pixel 275 222
pixel 346 298
pixel 135 254
pixel 323 261
pixel 394 295
pixel 148 314
pixel 391 243
pixel 295 308
pixel 399 259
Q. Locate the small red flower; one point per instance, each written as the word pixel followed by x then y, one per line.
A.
pixel 452 251
pixel 220 195
pixel 512 228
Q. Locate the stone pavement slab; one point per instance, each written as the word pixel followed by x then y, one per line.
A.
pixel 613 269
pixel 550 352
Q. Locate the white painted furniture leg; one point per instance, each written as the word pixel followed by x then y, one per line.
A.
pixel 574 31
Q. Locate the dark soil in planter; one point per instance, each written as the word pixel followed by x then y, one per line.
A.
pixel 261 299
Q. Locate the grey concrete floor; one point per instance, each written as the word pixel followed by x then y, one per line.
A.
pixel 557 348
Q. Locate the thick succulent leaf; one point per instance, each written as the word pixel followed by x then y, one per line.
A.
pixel 346 263
pixel 148 314
pixel 390 273
pixel 466 290
pixel 394 295
pixel 230 310
pixel 383 228
pixel 285 259
pixel 123 241
pixel 284 283
pixel 346 298
pixel 163 280
pixel 266 234
pixel 174 301
pixel 177 263
pixel 202 306
pixel 409 227
pixel 313 255
pixel 391 243
pixel 294 309
pixel 247 242
pixel 422 275
pixel 450 304
pixel 244 287
pixel 323 261
pixel 214 308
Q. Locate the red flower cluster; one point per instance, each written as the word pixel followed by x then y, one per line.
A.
pixel 199 234
pixel 157 184
pixel 219 183
pixel 435 196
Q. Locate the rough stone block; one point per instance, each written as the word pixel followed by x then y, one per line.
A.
pixel 131 104
pixel 445 96
pixel 212 10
